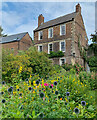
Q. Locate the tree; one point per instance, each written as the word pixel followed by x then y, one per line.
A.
pixel 92 50
pixel 93 46
pixel 1 30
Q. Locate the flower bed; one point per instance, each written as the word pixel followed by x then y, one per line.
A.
pixel 61 96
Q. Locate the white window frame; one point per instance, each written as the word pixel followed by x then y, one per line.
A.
pixel 49 33
pixel 48 47
pixel 39 48
pixel 60 45
pixel 39 35
pixel 61 61
pixel 65 29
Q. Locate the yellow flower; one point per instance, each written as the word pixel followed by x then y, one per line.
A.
pixel 81 83
pixel 14 92
pixel 17 86
pixel 91 97
pixel 30 76
pixel 85 85
pixel 30 82
pixel 48 101
pixel 33 91
pixel 66 99
pixel 60 80
pixel 32 98
pixel 20 69
pixel 37 86
pixel 54 110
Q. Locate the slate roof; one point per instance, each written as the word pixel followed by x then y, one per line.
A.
pixel 59 20
pixel 12 38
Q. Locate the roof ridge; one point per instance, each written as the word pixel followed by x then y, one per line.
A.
pixel 16 34
pixel 58 20
pixel 60 17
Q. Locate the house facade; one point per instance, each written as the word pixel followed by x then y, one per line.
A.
pixel 21 41
pixel 62 34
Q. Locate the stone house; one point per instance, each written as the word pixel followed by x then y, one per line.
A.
pixel 21 41
pixel 62 34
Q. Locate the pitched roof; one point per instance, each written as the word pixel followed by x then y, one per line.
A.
pixel 12 38
pixel 59 20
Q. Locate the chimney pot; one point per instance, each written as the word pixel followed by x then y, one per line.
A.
pixel 78 8
pixel 40 20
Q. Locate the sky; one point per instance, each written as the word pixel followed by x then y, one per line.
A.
pixel 18 17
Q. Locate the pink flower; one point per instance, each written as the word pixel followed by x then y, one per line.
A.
pixel 20 97
pixel 52 85
pixel 43 89
pixel 41 85
pixel 45 84
pixel 43 98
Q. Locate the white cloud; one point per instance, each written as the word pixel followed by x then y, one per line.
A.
pixel 11 18
pixel 26 20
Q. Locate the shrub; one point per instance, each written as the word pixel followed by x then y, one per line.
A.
pixel 67 66
pixel 30 61
pixel 78 67
pixel 92 61
pixel 56 54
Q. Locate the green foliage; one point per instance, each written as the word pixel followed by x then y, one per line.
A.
pixel 82 50
pixel 30 61
pixel 78 67
pixel 56 54
pixel 92 48
pixel 92 61
pixel 94 37
pixel 88 79
pixel 31 105
pixel 67 66
pixel 1 30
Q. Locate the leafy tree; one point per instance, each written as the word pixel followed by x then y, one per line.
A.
pixel 1 30
pixel 92 50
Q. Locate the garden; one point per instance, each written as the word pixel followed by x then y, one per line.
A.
pixel 32 87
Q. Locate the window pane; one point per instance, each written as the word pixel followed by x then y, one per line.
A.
pixel 62 61
pixel 62 46
pixel 41 35
pixel 40 48
pixel 50 32
pixel 50 47
pixel 63 30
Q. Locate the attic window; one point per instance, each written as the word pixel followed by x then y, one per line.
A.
pixel 62 29
pixel 40 35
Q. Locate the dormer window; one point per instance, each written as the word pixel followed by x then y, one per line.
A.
pixel 50 32
pixel 40 35
pixel 62 29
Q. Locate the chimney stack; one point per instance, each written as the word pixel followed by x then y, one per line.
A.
pixel 78 8
pixel 40 20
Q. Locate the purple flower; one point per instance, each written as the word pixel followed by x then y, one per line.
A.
pixel 67 94
pixel 83 103
pixel 76 110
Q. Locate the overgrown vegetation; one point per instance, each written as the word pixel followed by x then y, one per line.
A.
pixel 31 62
pixel 55 54
pixel 92 51
pixel 34 88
